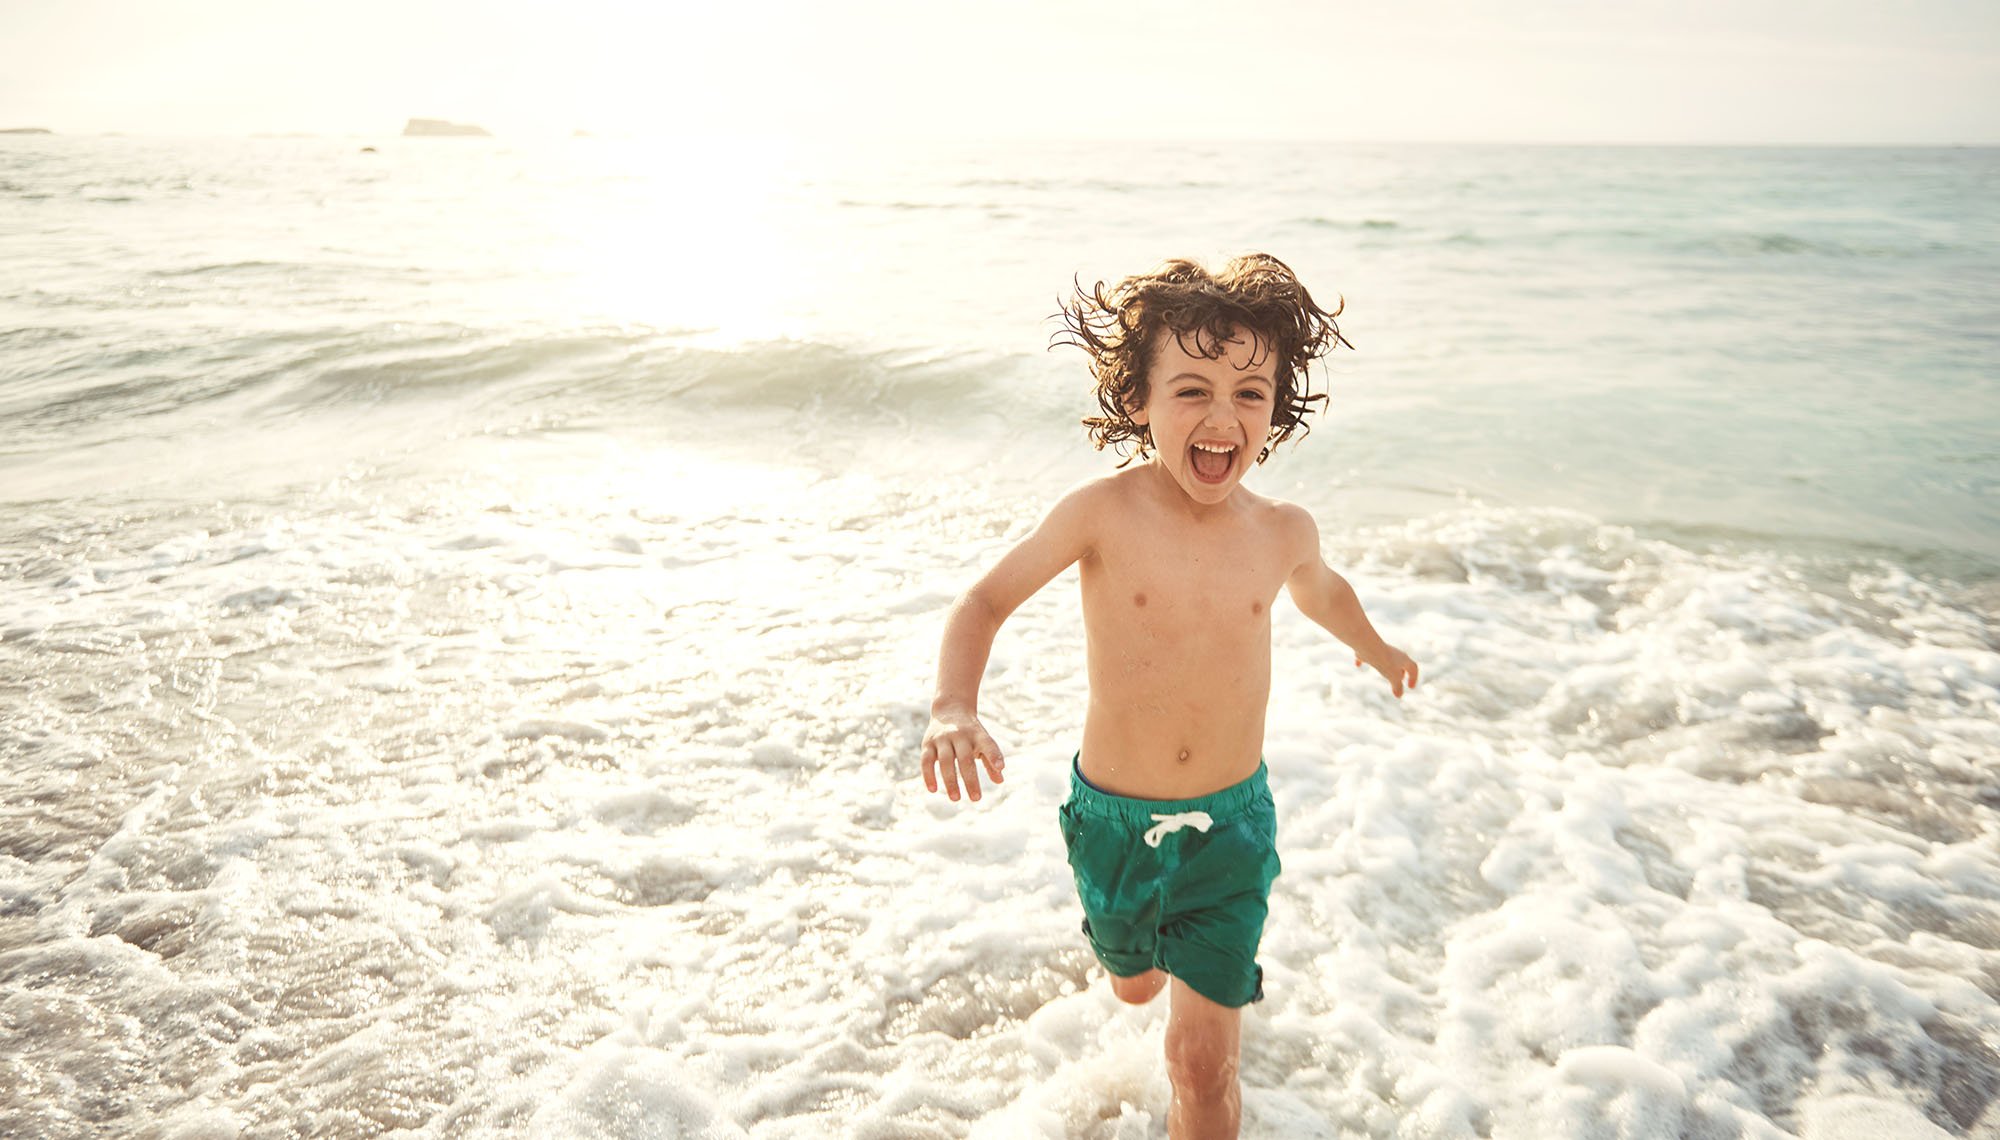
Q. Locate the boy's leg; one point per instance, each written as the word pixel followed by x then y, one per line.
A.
pixel 1203 1043
pixel 1139 988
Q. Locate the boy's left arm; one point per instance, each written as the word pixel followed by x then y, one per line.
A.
pixel 1329 600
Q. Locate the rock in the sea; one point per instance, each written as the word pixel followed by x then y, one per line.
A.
pixel 25 131
pixel 438 128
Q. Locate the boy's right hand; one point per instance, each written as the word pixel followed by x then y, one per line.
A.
pixel 956 744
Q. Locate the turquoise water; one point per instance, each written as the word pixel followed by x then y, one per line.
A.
pixel 1792 348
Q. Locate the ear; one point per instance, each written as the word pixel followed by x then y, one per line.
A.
pixel 1140 417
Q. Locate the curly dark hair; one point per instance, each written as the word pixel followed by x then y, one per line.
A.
pixel 1120 329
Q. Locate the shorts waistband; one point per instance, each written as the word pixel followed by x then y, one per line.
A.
pixel 1231 801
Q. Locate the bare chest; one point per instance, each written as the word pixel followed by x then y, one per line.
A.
pixel 1179 586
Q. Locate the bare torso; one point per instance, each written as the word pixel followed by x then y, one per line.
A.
pixel 1177 615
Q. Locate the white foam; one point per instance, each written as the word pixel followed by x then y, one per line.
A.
pixel 633 1092
pixel 603 818
pixel 1853 1116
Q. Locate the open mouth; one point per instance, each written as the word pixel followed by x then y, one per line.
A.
pixel 1211 461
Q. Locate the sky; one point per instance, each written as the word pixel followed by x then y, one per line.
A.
pixel 1583 71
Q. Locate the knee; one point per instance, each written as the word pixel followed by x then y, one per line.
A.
pixel 1139 988
pixel 1202 1068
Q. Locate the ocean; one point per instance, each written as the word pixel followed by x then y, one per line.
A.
pixel 468 611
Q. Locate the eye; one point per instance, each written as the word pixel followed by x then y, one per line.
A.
pixel 1186 392
pixel 1252 395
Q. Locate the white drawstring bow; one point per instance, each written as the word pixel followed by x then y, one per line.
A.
pixel 1165 825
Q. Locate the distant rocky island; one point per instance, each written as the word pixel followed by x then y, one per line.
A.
pixel 25 131
pixel 438 128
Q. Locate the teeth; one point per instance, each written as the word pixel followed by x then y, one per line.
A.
pixel 1217 448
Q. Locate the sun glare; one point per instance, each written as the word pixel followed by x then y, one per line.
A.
pixel 696 235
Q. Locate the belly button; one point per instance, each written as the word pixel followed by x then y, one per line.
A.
pixel 1184 755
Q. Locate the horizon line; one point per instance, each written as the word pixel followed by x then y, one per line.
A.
pixel 584 135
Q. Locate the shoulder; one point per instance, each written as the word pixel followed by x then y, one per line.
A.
pixel 1092 497
pixel 1077 518
pixel 1100 512
pixel 1103 499
pixel 1291 528
pixel 1284 519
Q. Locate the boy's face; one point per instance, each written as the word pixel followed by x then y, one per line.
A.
pixel 1208 418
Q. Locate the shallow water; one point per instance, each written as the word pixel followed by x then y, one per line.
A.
pixel 448 690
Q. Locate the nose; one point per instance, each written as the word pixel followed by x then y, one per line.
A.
pixel 1218 414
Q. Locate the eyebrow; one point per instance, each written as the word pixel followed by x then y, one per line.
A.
pixel 1258 377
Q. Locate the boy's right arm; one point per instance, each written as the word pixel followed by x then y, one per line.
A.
pixel 956 743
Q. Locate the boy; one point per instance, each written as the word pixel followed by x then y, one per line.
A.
pixel 1169 823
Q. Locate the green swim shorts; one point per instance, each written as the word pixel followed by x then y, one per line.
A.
pixel 1182 885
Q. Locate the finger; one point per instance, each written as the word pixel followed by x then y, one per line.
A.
pixel 968 772
pixel 1413 674
pixel 930 765
pixel 948 764
pixel 996 762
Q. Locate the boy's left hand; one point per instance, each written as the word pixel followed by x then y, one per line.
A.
pixel 1393 664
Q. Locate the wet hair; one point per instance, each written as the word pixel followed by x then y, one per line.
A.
pixel 1256 293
